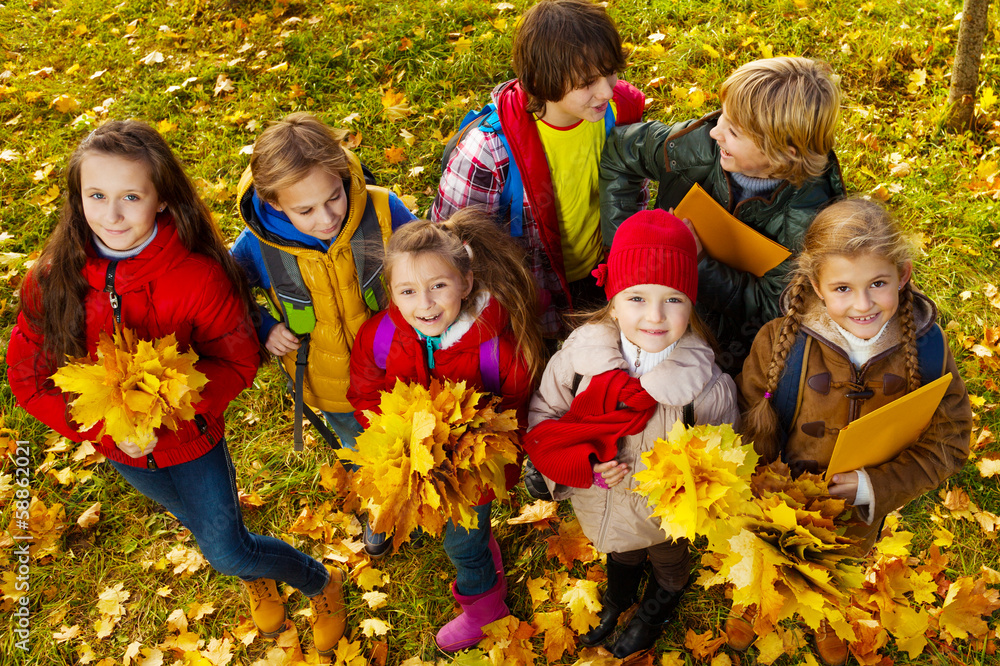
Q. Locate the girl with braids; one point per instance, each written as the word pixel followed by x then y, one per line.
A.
pixel 853 295
pixel 136 247
pixel 455 287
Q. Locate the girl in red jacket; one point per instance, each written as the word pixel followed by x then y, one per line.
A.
pixel 135 247
pixel 463 308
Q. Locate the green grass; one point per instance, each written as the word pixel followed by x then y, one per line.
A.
pixel 339 58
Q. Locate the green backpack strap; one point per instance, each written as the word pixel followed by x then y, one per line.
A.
pixel 294 300
pixel 365 241
pixel 296 308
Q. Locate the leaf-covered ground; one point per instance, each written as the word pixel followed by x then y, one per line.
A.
pixel 114 580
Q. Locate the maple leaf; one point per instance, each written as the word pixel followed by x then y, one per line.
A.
pixel 65 104
pixel 967 601
pixel 374 627
pixel 559 639
pixel 583 603
pixel 395 155
pixel 702 646
pixel 223 84
pixel 134 386
pixel 90 517
pixel 571 544
pixel 430 455
pixel 394 105
pixel 696 477
pixel 540 514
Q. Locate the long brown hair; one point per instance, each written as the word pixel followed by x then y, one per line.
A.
pixel 60 316
pixel 497 265
pixel 847 228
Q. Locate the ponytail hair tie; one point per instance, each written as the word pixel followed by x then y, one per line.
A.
pixel 768 395
pixel 601 273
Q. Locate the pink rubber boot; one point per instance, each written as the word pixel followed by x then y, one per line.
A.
pixel 477 611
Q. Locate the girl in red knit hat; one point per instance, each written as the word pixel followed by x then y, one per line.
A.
pixel 618 384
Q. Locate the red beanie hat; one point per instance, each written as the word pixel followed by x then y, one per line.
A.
pixel 651 247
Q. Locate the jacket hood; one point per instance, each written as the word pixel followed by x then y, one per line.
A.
pixel 160 256
pixel 677 380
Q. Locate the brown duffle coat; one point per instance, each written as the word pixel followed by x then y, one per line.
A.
pixel 829 376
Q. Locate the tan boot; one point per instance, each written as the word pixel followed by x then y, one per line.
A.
pixel 266 607
pixel 830 648
pixel 329 620
pixel 739 628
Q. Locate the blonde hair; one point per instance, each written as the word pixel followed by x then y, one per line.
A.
pixel 497 265
pixel 849 228
pixel 788 106
pixel 289 149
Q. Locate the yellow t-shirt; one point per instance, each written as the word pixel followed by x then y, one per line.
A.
pixel 574 157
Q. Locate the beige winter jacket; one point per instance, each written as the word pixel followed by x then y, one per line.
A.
pixel 619 520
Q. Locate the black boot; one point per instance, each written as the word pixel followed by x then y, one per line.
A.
pixel 655 609
pixel 534 483
pixel 623 583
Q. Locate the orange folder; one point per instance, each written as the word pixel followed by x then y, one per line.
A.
pixel 879 437
pixel 725 238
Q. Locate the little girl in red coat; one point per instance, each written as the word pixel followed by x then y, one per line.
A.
pixel 463 309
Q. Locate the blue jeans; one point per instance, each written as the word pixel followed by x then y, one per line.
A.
pixel 202 494
pixel 345 427
pixel 469 551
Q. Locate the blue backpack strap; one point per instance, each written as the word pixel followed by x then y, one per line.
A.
pixel 931 354
pixel 489 365
pixel 609 119
pixel 383 340
pixel 512 194
pixel 786 397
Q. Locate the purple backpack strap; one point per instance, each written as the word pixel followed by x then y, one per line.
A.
pixel 489 365
pixel 383 340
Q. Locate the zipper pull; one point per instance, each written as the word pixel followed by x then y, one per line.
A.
pixel 109 287
pixel 638 350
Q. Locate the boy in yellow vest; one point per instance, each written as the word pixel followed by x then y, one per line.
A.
pixel 313 219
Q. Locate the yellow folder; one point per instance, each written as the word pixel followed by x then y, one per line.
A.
pixel 725 238
pixel 879 437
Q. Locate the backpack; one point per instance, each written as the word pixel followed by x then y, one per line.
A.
pixel 787 398
pixel 294 302
pixel 489 354
pixel 487 119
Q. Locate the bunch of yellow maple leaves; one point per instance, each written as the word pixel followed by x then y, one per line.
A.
pixel 696 477
pixel 430 455
pixel 134 387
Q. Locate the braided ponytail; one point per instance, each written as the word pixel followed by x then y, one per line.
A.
pixel 909 327
pixel 760 423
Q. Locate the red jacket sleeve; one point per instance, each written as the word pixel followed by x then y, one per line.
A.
pixel 630 103
pixel 367 379
pixel 225 341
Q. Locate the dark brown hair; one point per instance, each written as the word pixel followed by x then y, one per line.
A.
pixel 60 316
pixel 497 263
pixel 561 45
pixel 849 228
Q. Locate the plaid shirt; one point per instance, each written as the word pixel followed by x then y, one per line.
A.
pixel 475 176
